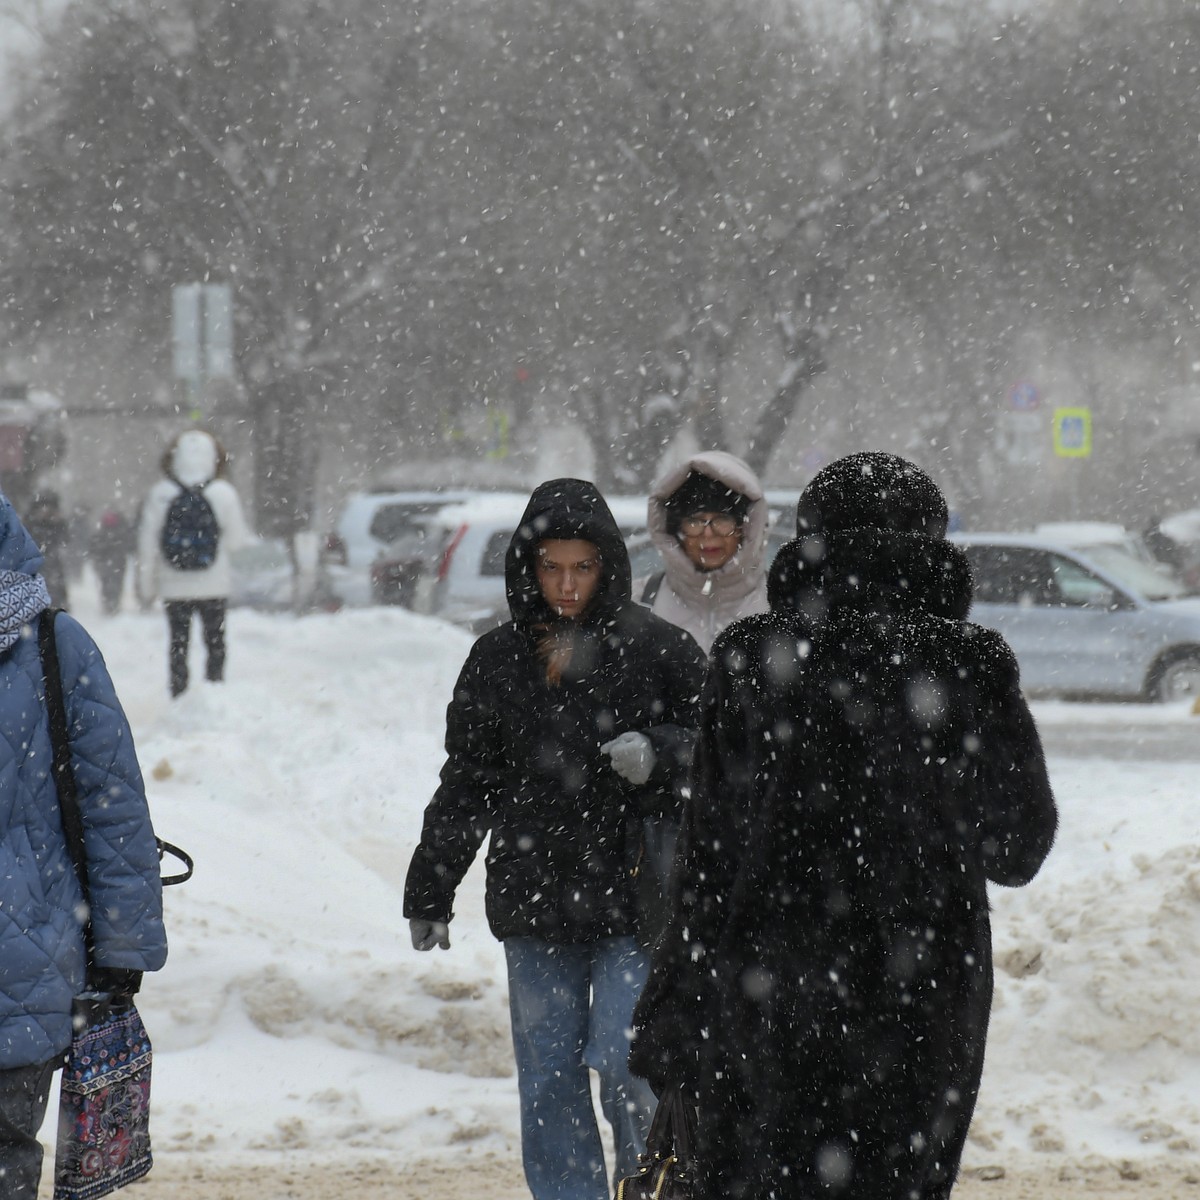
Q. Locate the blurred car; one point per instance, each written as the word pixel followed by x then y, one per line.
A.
pixel 1092 622
pixel 403 570
pixel 263 577
pixel 367 524
pixel 467 584
pixel 1176 540
pixel 1085 534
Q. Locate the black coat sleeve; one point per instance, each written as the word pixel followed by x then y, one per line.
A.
pixel 457 818
pixel 680 670
pixel 1017 816
pixel 669 1023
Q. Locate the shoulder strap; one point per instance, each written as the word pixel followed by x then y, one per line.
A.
pixel 650 591
pixel 64 776
pixel 60 743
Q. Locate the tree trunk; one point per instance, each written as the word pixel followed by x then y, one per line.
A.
pixel 772 422
pixel 285 456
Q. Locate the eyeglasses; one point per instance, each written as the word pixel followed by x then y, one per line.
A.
pixel 723 525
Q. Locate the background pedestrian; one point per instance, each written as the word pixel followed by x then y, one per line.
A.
pixel 191 521
pixel 47 526
pixel 111 543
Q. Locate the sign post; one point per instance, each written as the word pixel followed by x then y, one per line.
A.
pixel 201 336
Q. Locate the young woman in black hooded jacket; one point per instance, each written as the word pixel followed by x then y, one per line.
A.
pixel 865 767
pixel 570 727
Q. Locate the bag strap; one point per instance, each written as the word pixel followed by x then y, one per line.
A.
pixel 650 591
pixel 64 776
pixel 183 856
pixel 670 1134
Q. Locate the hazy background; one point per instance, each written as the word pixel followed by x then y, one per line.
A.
pixel 505 239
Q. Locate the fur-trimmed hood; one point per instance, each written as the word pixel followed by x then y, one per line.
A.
pixel 743 573
pixel 871 535
pixel 194 458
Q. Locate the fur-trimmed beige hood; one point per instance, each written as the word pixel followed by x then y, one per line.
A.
pixel 704 602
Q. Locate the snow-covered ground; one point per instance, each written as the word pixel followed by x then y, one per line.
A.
pixel 293 1016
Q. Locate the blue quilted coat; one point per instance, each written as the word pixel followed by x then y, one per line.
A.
pixel 41 939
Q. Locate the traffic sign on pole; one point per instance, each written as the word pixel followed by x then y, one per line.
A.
pixel 1024 396
pixel 185 331
pixel 202 331
pixel 1073 432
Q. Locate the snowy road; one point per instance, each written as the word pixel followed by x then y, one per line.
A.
pixel 1120 732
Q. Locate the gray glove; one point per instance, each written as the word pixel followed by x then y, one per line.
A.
pixel 632 756
pixel 427 934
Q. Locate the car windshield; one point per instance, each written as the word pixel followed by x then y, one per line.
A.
pixel 1150 580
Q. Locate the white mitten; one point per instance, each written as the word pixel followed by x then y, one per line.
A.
pixel 632 756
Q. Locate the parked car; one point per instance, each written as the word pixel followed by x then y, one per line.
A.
pixel 1176 539
pixel 404 569
pixel 367 524
pixel 468 579
pixel 1093 622
pixel 1083 535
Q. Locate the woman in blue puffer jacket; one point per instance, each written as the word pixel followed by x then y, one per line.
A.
pixel 42 956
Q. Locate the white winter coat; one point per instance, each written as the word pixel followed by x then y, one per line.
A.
pixel 704 602
pixel 193 464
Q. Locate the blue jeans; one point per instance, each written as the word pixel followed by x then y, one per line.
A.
pixel 571 1008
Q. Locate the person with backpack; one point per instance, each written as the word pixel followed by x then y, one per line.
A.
pixel 191 521
pixel 708 519
pixel 534 756
pixel 43 954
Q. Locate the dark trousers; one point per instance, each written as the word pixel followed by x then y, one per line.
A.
pixel 24 1093
pixel 179 619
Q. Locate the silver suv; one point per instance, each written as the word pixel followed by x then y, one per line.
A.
pixel 1086 621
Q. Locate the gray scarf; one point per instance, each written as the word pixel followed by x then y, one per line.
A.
pixel 22 597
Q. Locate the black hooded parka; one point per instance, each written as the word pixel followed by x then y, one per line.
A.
pixel 523 756
pixel 865 765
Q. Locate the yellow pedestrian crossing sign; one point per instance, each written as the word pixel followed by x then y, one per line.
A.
pixel 1073 432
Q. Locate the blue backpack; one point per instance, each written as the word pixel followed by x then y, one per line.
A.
pixel 190 532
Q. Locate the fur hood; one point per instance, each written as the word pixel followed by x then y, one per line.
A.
pixel 871 535
pixel 742 576
pixel 194 458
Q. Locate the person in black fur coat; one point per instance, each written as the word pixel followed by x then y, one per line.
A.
pixel 865 765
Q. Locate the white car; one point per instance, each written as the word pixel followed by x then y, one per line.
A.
pixel 468 585
pixel 369 522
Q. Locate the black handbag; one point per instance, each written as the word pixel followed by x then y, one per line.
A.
pixel 666 1172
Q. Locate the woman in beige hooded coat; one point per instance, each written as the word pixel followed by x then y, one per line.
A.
pixel 708 519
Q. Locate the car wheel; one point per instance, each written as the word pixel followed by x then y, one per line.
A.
pixel 1177 679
